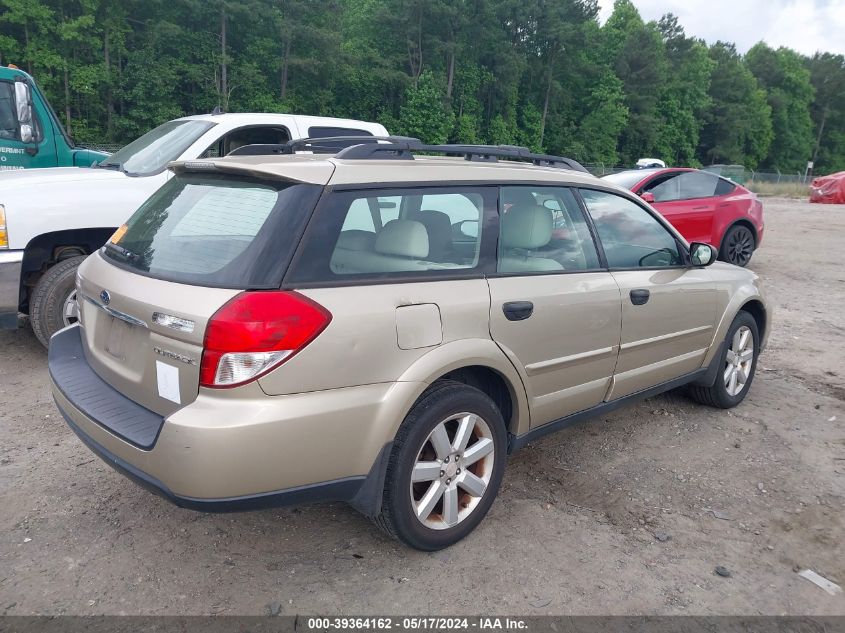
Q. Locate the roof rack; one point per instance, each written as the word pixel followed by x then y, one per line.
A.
pixel 403 148
pixel 317 145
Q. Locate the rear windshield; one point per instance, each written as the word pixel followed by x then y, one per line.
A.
pixel 217 231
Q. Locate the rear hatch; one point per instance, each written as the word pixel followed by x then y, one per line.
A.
pixel 146 297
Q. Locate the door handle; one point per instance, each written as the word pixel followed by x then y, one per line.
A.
pixel 518 310
pixel 704 208
pixel 640 296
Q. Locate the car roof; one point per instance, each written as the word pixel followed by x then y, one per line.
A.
pixel 651 171
pixel 252 117
pixel 322 169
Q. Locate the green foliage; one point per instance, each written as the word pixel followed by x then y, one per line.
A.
pixel 738 124
pixel 539 73
pixel 423 115
pixel 827 74
pixel 790 94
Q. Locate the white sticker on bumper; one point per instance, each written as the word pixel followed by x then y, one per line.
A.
pixel 168 382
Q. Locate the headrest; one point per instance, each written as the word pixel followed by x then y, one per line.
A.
pixel 526 227
pixel 518 197
pixel 356 240
pixel 404 238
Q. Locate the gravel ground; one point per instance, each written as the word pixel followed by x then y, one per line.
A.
pixel 628 514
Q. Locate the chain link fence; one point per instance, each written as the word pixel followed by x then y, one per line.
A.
pixel 108 148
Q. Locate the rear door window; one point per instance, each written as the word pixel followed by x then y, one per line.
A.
pixel 542 230
pixel 375 234
pixel 665 188
pixel 215 231
pixel 697 184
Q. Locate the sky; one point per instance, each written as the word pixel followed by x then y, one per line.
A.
pixel 804 25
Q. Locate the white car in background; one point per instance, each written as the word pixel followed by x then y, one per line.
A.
pixel 650 163
pixel 51 219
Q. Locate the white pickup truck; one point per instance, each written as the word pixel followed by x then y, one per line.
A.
pixel 50 219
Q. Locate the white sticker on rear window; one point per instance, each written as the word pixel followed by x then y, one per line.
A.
pixel 167 377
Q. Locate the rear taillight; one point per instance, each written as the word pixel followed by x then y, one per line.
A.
pixel 256 332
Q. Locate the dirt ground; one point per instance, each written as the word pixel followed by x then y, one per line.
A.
pixel 628 514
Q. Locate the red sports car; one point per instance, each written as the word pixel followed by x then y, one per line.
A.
pixel 704 207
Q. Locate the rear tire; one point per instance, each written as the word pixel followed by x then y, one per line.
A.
pixel 52 305
pixel 437 487
pixel 737 365
pixel 738 246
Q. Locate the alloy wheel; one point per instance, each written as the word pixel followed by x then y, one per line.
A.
pixel 739 361
pixel 452 471
pixel 740 246
pixel 70 309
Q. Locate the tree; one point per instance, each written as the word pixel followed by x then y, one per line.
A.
pixel 827 74
pixel 638 56
pixel 686 98
pixel 738 124
pixel 423 115
pixel 789 93
pixel 540 73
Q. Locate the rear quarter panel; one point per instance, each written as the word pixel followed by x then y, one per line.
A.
pixel 361 344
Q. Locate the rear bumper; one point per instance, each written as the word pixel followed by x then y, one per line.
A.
pixel 341 490
pixel 228 451
pixel 10 288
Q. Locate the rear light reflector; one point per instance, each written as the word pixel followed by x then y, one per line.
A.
pixel 255 332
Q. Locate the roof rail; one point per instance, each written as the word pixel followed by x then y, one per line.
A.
pixel 403 149
pixel 317 145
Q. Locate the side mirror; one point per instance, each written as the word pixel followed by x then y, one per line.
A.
pixel 647 196
pixel 702 254
pixel 23 107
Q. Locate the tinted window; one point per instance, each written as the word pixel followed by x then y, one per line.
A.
pixel 8 120
pixel 665 188
pixel 724 187
pixel 406 232
pixel 324 131
pixel 542 229
pixel 208 230
pixel 697 184
pixel 330 146
pixel 630 235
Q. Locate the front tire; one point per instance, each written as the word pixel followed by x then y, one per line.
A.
pixel 52 305
pixel 736 368
pixel 445 467
pixel 738 246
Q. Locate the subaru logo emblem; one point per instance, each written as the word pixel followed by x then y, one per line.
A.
pixel 105 297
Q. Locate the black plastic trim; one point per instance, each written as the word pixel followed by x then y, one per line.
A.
pixel 364 493
pixel 337 490
pixel 520 441
pixel 402 149
pixel 94 397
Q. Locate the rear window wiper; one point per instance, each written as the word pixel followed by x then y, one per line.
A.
pixel 122 254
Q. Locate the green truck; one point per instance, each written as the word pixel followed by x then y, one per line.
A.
pixel 30 132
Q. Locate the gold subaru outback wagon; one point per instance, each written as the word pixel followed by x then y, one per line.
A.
pixel 383 325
